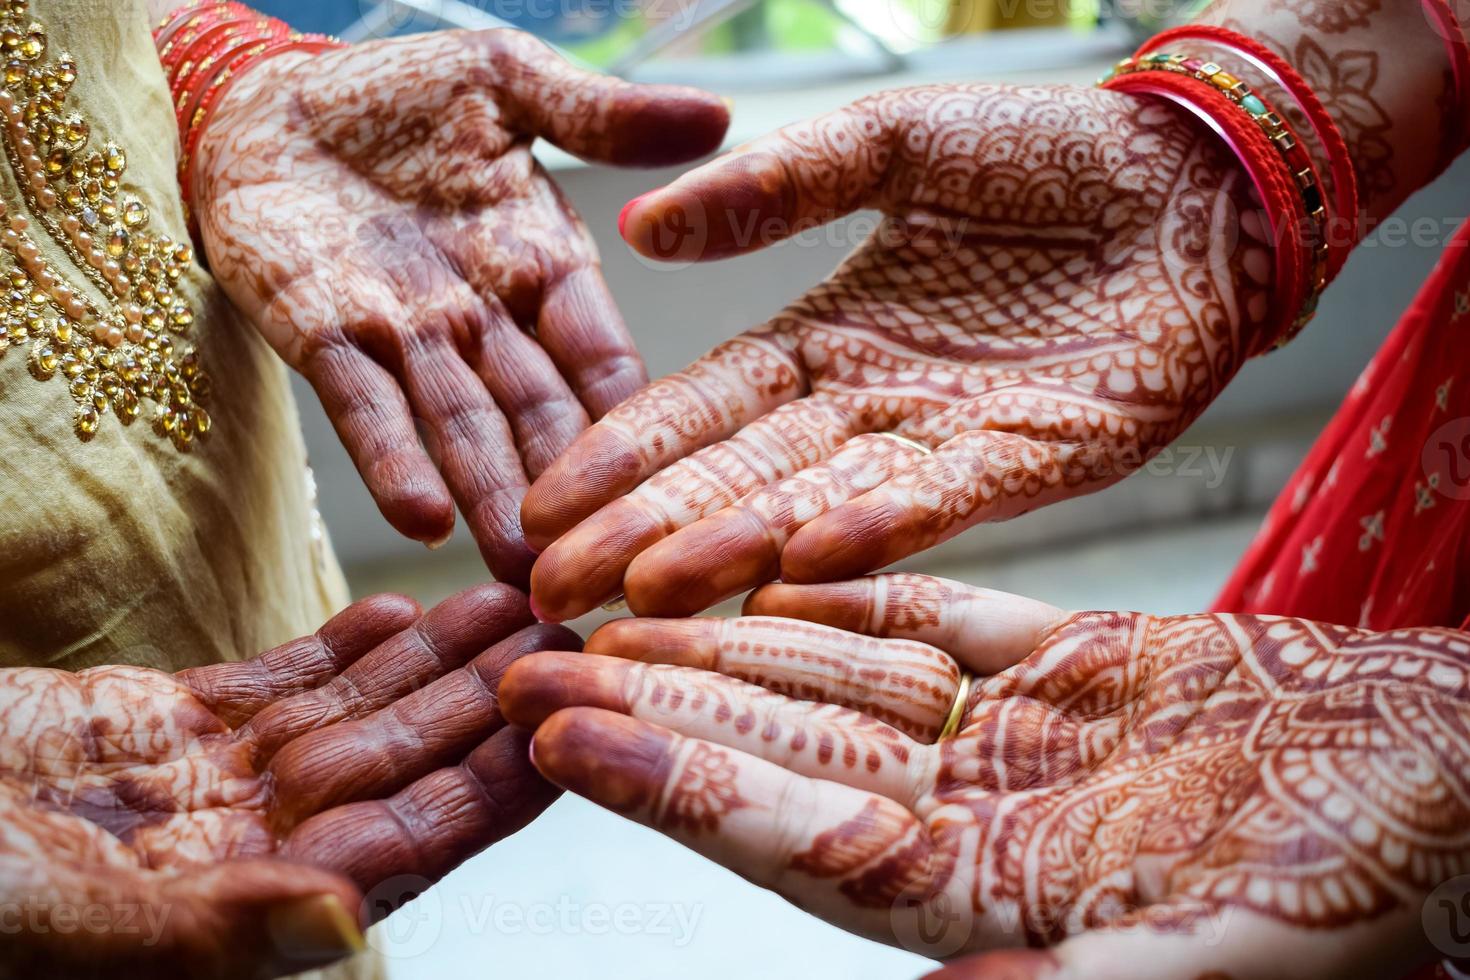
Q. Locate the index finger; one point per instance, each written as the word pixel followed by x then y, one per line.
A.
pixel 235 692
pixel 806 174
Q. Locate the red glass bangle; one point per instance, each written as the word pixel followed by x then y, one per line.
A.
pixel 198 63
pixel 1448 25
pixel 1346 202
pixel 204 48
pixel 1275 161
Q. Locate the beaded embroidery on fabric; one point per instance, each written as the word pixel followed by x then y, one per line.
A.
pixel 118 354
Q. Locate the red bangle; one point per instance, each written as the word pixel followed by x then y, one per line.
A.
pixel 1447 24
pixel 1280 71
pixel 1275 161
pixel 204 48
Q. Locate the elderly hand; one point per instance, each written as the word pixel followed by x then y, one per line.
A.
pixel 1059 285
pixel 377 213
pixel 225 821
pixel 1149 796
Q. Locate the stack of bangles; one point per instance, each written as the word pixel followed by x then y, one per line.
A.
pixel 207 45
pixel 1312 230
pixel 1276 160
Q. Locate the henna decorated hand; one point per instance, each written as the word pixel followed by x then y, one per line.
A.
pixel 378 215
pixel 1057 289
pixel 1153 797
pixel 225 821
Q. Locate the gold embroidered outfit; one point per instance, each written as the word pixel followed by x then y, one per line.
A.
pixel 155 505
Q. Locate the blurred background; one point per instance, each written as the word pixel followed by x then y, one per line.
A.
pixel 582 893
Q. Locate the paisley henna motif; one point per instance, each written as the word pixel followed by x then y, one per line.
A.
pixel 1129 773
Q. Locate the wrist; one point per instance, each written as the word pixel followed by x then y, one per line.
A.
pixel 205 47
pixel 1382 77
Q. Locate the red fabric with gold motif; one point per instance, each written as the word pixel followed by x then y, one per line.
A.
pixel 1372 529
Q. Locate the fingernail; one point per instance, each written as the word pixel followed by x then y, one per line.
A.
pixel 438 543
pixel 536 611
pixel 729 102
pixel 623 214
pixel 316 929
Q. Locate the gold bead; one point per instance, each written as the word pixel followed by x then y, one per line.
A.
pixel 43 361
pixel 33 45
pixel 135 213
pixel 86 422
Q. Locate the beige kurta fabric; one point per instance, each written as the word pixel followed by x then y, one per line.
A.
pixel 123 549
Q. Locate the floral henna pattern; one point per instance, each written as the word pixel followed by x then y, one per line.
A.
pixel 1345 80
pixel 1063 280
pixel 1129 771
pixel 1378 69
pixel 378 214
pixel 704 794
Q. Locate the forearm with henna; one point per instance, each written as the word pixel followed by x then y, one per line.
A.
pixel 1380 68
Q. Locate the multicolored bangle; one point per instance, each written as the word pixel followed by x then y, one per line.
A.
pixel 204 48
pixel 1346 212
pixel 1301 242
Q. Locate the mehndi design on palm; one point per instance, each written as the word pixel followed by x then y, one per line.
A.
pixel 206 820
pixel 377 213
pixel 1130 788
pixel 1063 280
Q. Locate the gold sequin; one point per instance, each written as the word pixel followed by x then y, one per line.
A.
pixel 113 355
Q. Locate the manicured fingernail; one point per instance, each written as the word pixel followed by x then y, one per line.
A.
pixel 623 214
pixel 316 929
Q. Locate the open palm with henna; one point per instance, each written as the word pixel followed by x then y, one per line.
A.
pixel 1059 285
pixel 1138 796
pixel 377 213
pixel 227 821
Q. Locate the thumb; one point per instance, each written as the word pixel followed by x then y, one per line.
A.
pixel 289 917
pixel 244 919
pixel 794 179
pixel 599 117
